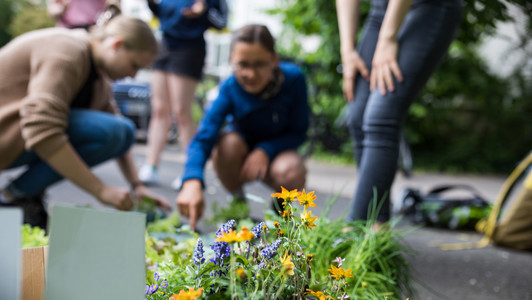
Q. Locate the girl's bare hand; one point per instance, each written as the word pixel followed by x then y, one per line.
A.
pixel 352 64
pixel 385 66
pixel 119 198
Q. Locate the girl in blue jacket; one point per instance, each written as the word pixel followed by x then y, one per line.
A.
pixel 270 116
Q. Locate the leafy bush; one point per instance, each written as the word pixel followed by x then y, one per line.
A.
pixel 30 16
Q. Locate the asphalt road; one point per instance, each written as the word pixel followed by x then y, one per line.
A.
pixel 487 273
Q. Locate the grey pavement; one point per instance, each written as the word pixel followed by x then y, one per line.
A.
pixel 486 273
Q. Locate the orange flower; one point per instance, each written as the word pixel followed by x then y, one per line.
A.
pixel 245 234
pixel 190 295
pixel 288 265
pixel 307 200
pixel 307 221
pixel 287 195
pixel 339 273
pixel 318 294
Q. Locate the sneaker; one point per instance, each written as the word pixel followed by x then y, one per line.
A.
pixel 149 175
pixel 176 184
pixel 33 208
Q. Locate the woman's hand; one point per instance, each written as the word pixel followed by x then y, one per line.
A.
pixel 385 66
pixel 142 191
pixel 255 166
pixel 197 9
pixel 352 64
pixel 190 201
pixel 119 198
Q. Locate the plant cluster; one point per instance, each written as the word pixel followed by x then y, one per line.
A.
pixel 33 236
pixel 274 260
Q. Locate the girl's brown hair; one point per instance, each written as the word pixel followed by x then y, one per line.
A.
pixel 254 33
pixel 137 35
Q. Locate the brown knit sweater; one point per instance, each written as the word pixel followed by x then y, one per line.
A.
pixel 40 74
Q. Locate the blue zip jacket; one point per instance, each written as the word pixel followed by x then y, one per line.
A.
pixel 275 125
pixel 178 30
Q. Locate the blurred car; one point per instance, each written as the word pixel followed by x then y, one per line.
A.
pixel 133 98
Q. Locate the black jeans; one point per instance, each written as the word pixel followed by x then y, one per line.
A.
pixel 375 120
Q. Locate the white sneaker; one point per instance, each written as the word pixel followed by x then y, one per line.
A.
pixel 176 184
pixel 148 175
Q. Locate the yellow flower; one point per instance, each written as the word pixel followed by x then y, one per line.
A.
pixel 190 295
pixel 307 221
pixel 245 234
pixel 318 294
pixel 339 273
pixel 287 195
pixel 241 273
pixel 230 237
pixel 276 224
pixel 365 284
pixel 287 214
pixel 307 200
pixel 288 265
pixel 310 257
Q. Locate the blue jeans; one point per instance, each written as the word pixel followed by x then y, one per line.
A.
pixel 96 136
pixel 375 120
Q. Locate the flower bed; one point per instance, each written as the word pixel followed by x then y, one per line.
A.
pixel 294 256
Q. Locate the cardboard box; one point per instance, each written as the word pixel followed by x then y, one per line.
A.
pixel 34 262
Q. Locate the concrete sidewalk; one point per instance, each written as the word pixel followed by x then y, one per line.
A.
pixel 489 273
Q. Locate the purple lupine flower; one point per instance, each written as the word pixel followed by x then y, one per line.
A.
pixel 198 253
pixel 271 250
pixel 164 284
pixel 225 228
pixel 154 288
pixel 257 230
pixel 221 251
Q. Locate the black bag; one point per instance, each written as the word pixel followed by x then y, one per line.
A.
pixel 437 209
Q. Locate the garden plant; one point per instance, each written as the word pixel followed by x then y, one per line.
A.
pixel 293 256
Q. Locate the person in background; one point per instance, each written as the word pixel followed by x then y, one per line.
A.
pixel 401 46
pixel 269 106
pixel 80 13
pixel 57 117
pixel 176 73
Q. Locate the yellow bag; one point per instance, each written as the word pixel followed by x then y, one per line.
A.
pixel 513 228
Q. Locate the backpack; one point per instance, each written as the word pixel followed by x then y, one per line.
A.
pixel 509 223
pixel 439 208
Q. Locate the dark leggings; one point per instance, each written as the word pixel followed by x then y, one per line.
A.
pixel 375 120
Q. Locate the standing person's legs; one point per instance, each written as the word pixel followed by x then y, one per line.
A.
pixel 181 90
pixel 424 38
pixel 161 118
pixel 366 49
